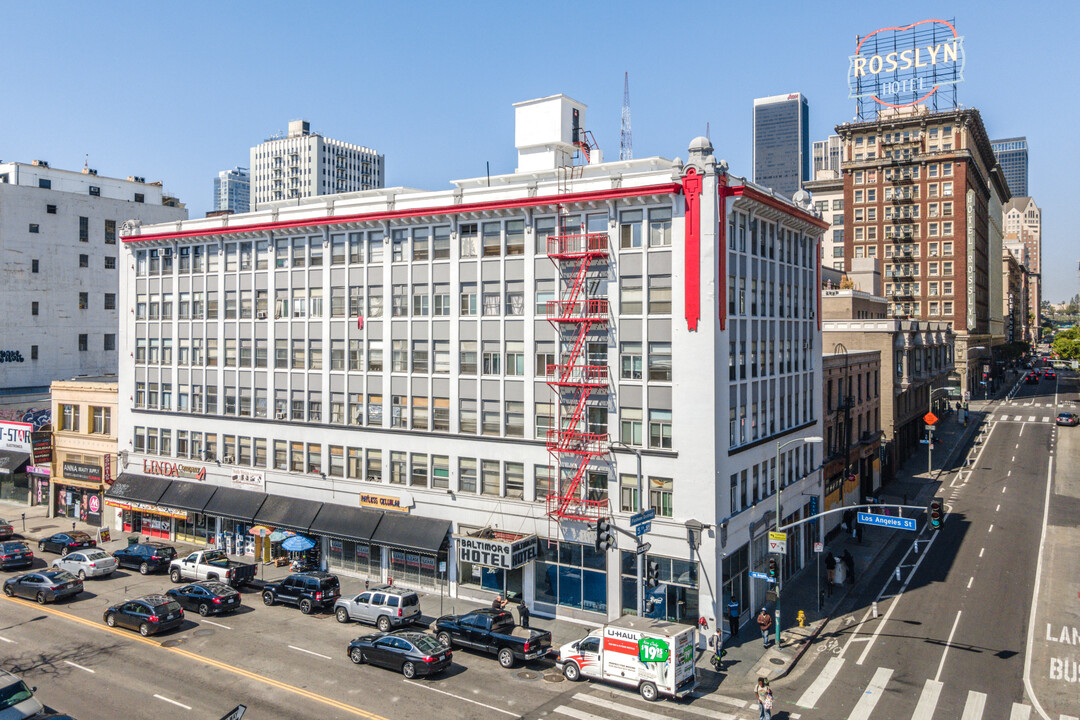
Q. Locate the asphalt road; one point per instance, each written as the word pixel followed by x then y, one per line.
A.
pixel 950 636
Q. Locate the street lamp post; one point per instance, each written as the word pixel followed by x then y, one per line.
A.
pixel 930 432
pixel 641 508
pixel 814 439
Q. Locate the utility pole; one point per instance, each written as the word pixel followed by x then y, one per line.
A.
pixel 779 483
pixel 638 538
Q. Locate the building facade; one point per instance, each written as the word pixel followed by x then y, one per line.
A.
pixel 486 366
pixel 782 142
pixel 923 194
pixel 852 419
pixel 826 156
pixel 59 266
pixel 1014 280
pixel 232 190
pixel 917 357
pixel 304 164
pixel 827 190
pixel 1022 221
pixel 1012 156
pixel 84 448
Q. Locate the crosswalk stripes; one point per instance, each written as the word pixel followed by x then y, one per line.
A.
pixel 821 683
pixel 1020 712
pixel 869 699
pixel 927 700
pixel 973 708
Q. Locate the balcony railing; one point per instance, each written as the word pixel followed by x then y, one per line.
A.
pixel 578 246
pixel 593 376
pixel 596 309
pixel 578 443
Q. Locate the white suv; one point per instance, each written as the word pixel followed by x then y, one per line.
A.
pixel 384 607
pixel 17 701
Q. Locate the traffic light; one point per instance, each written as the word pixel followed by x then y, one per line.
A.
pixel 605 538
pixel 772 568
pixel 935 512
pixel 652 574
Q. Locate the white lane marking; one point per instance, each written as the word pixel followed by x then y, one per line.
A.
pixel 970 580
pixel 178 704
pixel 1003 487
pixel 1020 712
pixel 626 709
pixel 459 697
pixel 927 701
pixel 92 672
pixel 991 528
pixel 981 551
pixel 309 652
pixel 821 683
pixel 948 642
pixel 1013 459
pixel 8 641
pixel 973 708
pixel 712 696
pixel 211 622
pixel 1017 446
pixel 575 713
pixel 1035 595
pixel 998 508
pixel 869 699
pixel 1022 430
pixel 1031 418
pixel 1068 717
pixel 697 694
pixel 1045 419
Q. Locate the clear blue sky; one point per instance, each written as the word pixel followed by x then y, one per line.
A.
pixel 179 91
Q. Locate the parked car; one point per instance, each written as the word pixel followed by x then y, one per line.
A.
pixel 87 563
pixel 409 651
pixel 1068 418
pixel 208 597
pixel 15 554
pixel 7 530
pixel 494 632
pixel 17 701
pixel 307 591
pixel 45 586
pixel 66 542
pixel 384 607
pixel 149 614
pixel 145 557
pixel 211 565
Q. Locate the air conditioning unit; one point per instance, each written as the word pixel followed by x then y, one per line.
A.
pixel 262 316
pixel 228 459
pixel 281 416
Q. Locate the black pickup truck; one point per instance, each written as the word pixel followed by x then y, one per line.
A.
pixel 493 632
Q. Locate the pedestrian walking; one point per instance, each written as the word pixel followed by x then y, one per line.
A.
pixel 763 695
pixel 858 532
pixel 523 611
pixel 734 611
pixel 830 570
pixel 849 519
pixel 849 563
pixel 716 642
pixel 498 603
pixel 764 621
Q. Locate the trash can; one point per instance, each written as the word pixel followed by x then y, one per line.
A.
pixel 133 540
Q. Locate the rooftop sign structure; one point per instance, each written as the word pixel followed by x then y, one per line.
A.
pixel 896 67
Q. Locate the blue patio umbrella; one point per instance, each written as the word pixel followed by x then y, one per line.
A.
pixel 297 543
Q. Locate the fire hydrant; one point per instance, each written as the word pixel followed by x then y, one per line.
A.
pixel 801 618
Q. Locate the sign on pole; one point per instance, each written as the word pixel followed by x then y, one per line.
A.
pixel 644 548
pixel 235 714
pixel 643 516
pixel 643 528
pixel 886 521
pixel 778 543
pixel 819 547
pixel 930 418
pixel 762 576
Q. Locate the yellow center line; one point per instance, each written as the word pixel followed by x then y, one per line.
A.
pixel 205 660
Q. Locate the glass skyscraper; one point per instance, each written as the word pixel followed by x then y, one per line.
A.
pixel 232 190
pixel 782 142
pixel 1012 156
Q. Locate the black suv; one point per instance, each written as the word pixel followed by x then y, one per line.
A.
pixel 145 557
pixel 308 590
pixel 149 614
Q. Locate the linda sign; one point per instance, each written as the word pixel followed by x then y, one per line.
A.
pixel 165 468
pixel 901 66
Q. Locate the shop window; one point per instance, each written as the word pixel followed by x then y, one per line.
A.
pixel 674 600
pixel 571 575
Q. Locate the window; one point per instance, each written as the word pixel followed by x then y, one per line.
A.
pixel 630 229
pixel 421 301
pixel 515 297
pixel 468 357
pixel 100 420
pixel 490 421
pixel 515 419
pixel 84 300
pixel 492 239
pixel 110 342
pixel 628 493
pixel 491 358
pixel 34 266
pixel 34 228
pixel 419 356
pixel 630 361
pixel 489 478
pixel 400 300
pixel 419 475
pixel 515 237
pixel 69 418
pixel 440 414
pixel 660 294
pixel 544 418
pixel 440 249
pixel 491 298
pixel 543 228
pixel 84 236
pixel 398 240
pixel 420 413
pixel 515 358
pixel 110 232
pixel 441 300
pixel 468 299
pixel 660 361
pixel 399 356
pixel 110 301
pixel 545 356
pixel 34 307
pixel 467 475
pixel 660 490
pixel 660 429
pixel 468 239
pixel 660 227
pixel 50 209
pixel 514 474
pixel 630 295
pixel 630 425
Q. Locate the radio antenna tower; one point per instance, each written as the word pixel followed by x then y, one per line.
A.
pixel 626 141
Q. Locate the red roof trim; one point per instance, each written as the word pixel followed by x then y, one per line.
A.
pixel 613 194
pixel 764 199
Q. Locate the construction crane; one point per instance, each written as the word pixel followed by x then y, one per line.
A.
pixel 626 141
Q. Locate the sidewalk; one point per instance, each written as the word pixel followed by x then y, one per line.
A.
pixel 914 484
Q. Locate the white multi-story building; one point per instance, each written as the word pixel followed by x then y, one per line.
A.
pixel 826 156
pixel 407 375
pixel 58 268
pixel 232 190
pixel 828 196
pixel 304 164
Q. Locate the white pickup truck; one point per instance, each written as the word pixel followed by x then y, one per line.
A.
pixel 211 565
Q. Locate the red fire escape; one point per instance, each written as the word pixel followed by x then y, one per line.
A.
pixel 578 385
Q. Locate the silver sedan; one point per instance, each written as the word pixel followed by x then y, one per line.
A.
pixel 87 563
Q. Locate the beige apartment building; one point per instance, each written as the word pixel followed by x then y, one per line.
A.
pixel 84 414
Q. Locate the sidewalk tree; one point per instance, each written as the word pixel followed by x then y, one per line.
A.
pixel 1067 344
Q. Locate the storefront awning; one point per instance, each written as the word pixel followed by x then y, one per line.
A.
pixel 191 496
pixel 234 504
pixel 348 523
pixel 13 462
pixel 288 513
pixel 425 535
pixel 138 488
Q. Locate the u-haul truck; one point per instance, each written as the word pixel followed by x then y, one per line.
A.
pixel 653 656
